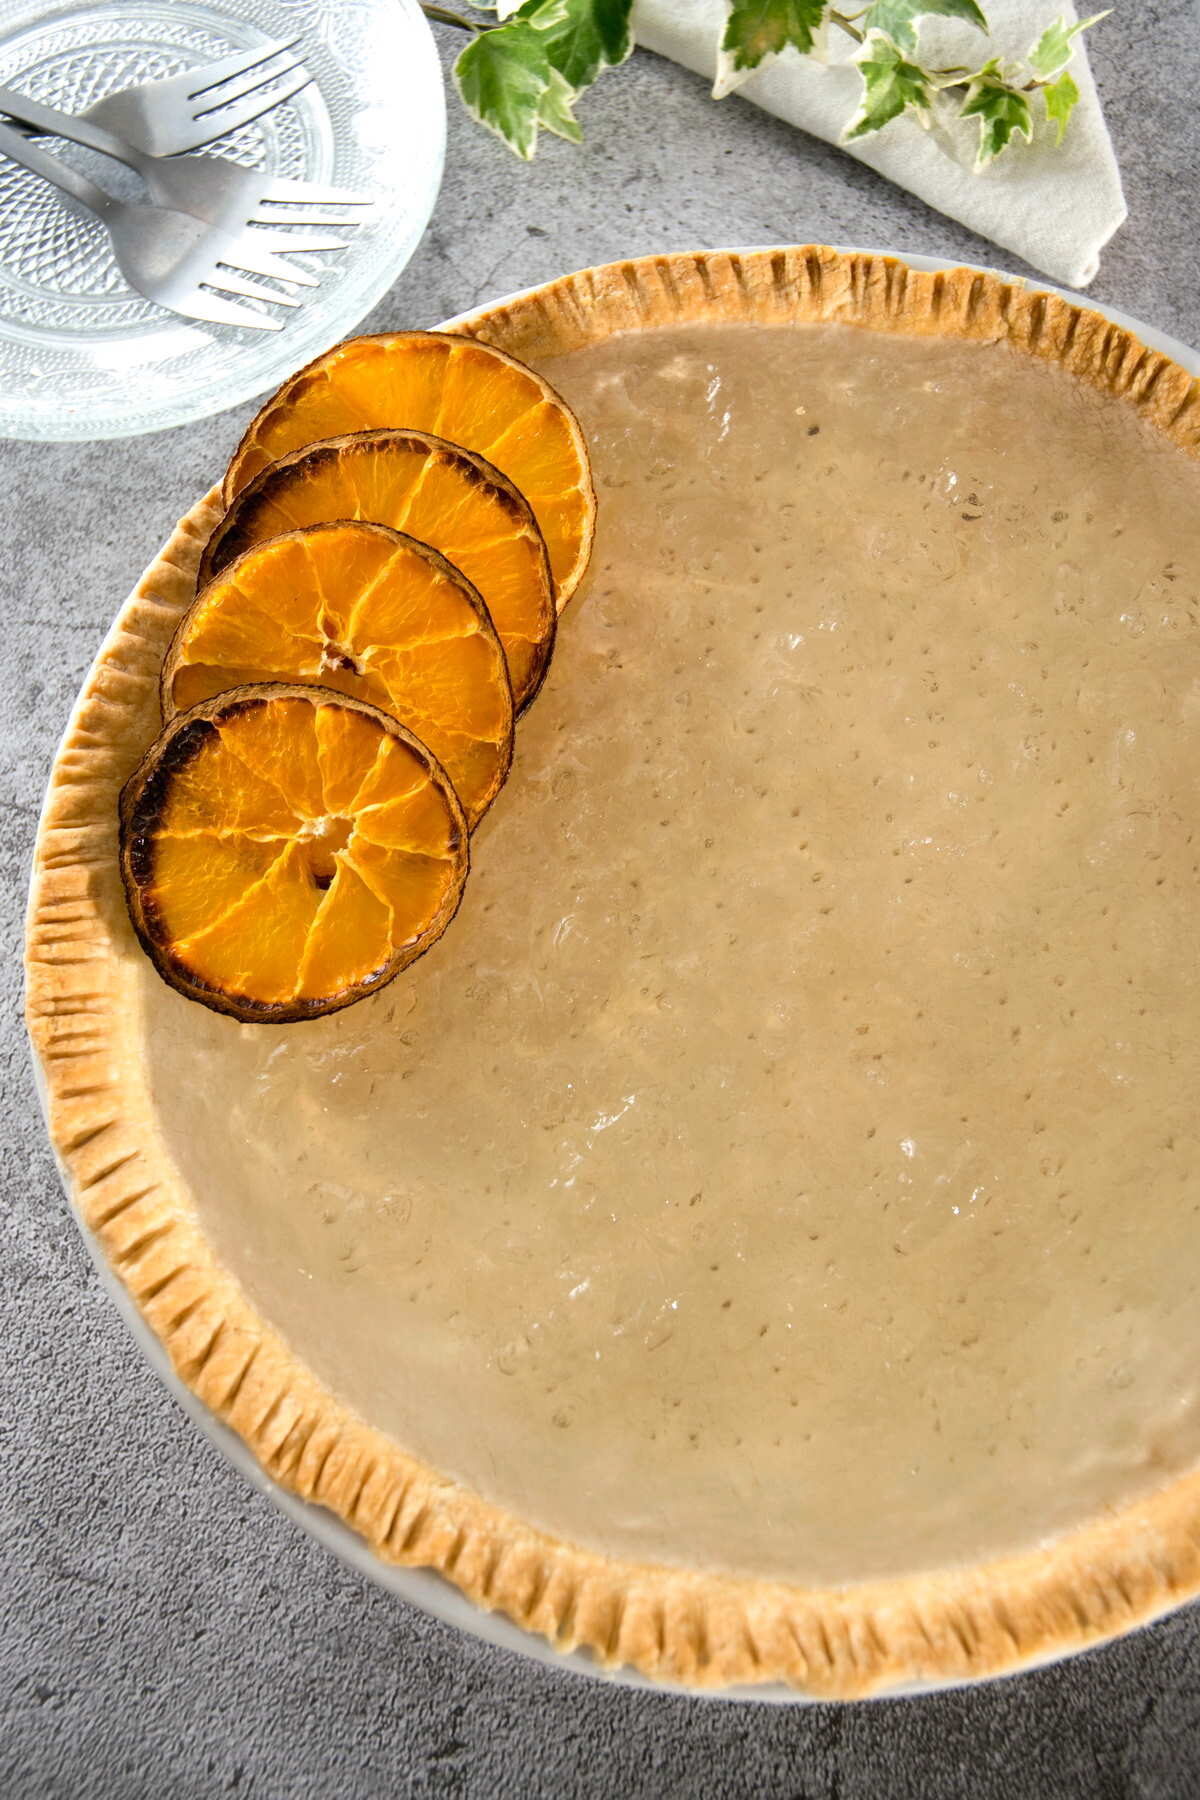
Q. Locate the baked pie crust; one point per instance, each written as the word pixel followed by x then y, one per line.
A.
pixel 679 1624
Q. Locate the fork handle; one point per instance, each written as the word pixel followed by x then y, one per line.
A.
pixel 65 125
pixel 40 162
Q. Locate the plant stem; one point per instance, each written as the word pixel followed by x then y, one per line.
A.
pixel 443 16
pixel 847 25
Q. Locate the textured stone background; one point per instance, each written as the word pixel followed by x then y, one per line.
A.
pixel 163 1629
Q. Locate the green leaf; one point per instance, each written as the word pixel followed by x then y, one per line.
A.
pixel 890 86
pixel 1060 97
pixel 1002 113
pixel 1054 49
pixel 898 18
pixel 527 73
pixel 507 82
pixel 759 28
pixel 581 37
pixel 555 111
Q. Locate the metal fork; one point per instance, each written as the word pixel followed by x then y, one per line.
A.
pixel 224 193
pixel 185 112
pixel 169 256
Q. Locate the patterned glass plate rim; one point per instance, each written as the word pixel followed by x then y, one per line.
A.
pixel 81 356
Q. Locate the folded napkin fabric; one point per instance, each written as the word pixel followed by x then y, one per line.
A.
pixel 1055 206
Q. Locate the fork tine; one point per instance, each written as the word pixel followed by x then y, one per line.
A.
pixel 286 192
pixel 215 73
pixel 230 281
pixel 275 96
pixel 253 86
pixel 290 241
pixel 201 304
pixel 261 260
pixel 308 215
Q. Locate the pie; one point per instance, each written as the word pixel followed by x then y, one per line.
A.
pixel 760 1240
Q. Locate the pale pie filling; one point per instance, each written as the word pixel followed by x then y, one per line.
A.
pixel 788 1161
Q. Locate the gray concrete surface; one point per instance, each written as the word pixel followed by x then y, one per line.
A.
pixel 163 1630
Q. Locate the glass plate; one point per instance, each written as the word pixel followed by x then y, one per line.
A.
pixel 81 355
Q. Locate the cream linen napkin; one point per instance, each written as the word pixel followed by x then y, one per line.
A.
pixel 1056 208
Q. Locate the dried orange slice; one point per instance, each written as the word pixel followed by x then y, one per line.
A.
pixel 432 490
pixel 463 390
pixel 373 614
pixel 286 850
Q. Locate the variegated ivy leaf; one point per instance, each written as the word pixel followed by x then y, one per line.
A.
pixel 1061 97
pixel 581 37
pixel 509 84
pixel 890 86
pixel 1054 49
pixel 555 112
pixel 527 73
pixel 758 29
pixel 1002 111
pixel 898 18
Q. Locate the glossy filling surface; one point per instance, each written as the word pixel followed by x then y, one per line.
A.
pixel 787 1162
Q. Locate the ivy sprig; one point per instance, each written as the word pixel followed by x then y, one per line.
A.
pixel 525 70
pixel 895 81
pixel 528 63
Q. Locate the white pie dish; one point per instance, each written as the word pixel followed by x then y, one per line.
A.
pixel 427 1590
